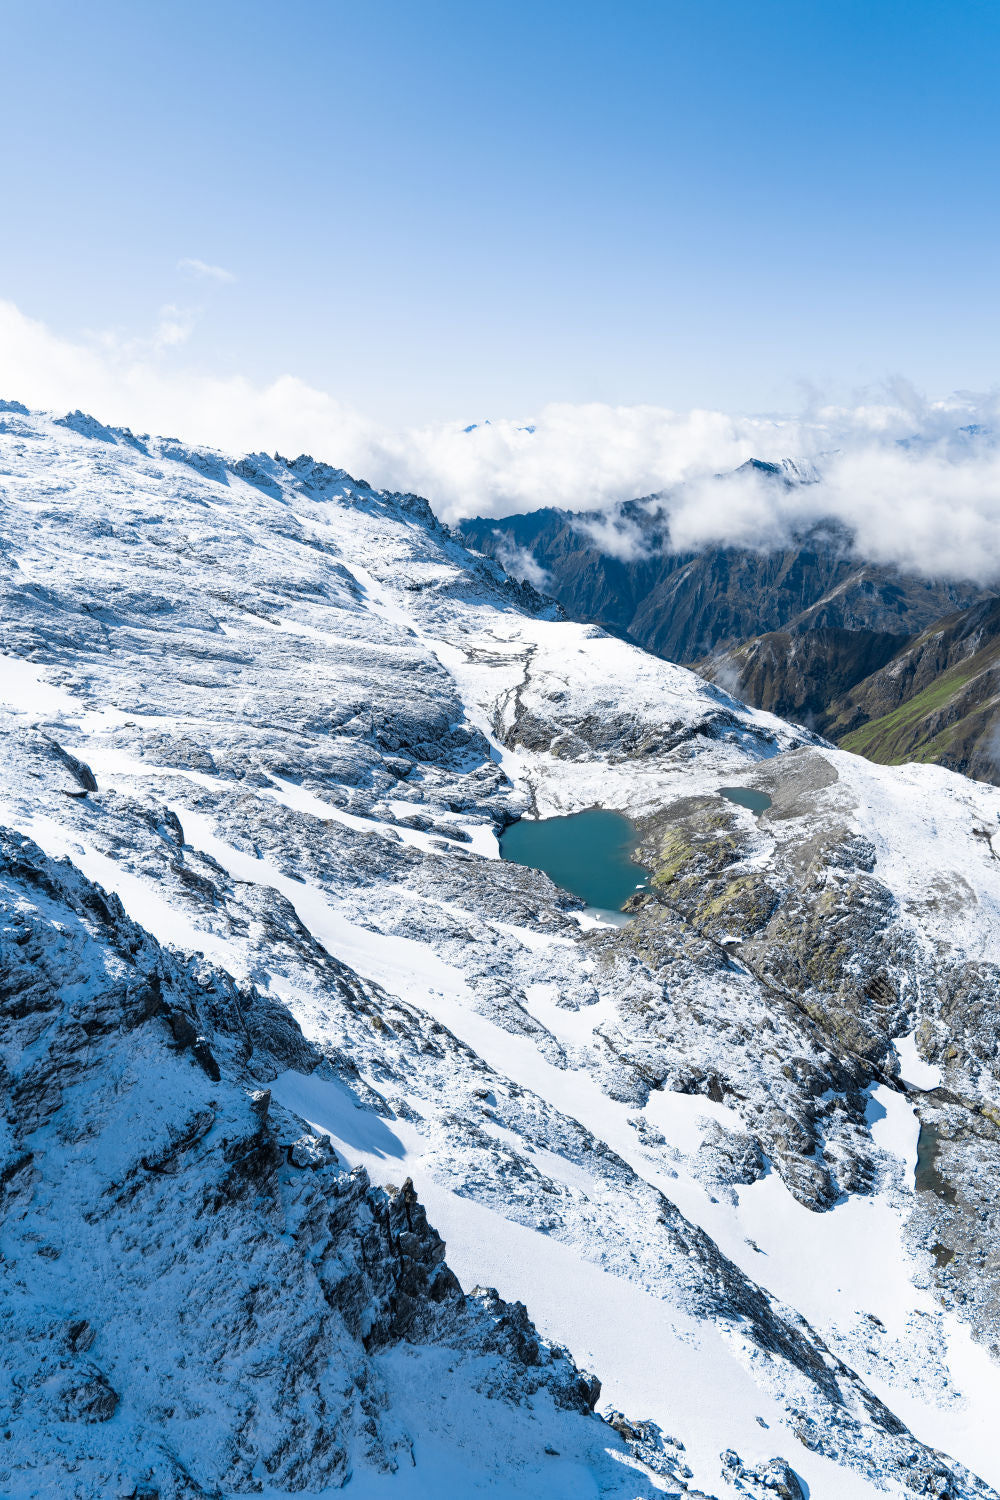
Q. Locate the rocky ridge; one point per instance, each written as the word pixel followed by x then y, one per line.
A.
pixel 281 716
pixel 246 1345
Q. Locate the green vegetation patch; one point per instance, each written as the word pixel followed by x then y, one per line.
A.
pixel 735 892
pixel 675 851
pixel 895 737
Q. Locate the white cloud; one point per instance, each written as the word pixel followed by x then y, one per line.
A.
pixel 174 327
pixel 128 382
pixel 521 563
pixel 616 535
pixel 192 266
pixel 917 480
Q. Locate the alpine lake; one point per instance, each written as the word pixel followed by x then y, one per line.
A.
pixel 590 853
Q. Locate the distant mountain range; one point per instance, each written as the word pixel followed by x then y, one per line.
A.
pixel 891 665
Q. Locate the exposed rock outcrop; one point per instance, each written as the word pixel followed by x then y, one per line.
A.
pixel 203 1302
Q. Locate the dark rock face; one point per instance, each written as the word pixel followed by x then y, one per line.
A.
pixel 937 699
pixel 727 1158
pixel 799 672
pixel 930 697
pixel 775 1480
pixel 89 1399
pixel 652 1447
pixel 689 606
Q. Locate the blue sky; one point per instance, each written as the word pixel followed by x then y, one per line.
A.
pixel 441 210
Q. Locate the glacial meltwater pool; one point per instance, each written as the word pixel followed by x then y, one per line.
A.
pixel 586 853
pixel 746 796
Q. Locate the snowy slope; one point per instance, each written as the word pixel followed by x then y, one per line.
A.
pixel 283 716
pixel 197 1294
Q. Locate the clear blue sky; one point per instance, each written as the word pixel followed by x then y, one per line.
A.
pixel 443 209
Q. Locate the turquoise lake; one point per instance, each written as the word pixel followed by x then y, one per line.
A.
pixel 586 853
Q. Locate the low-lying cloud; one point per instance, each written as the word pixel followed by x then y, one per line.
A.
pixel 520 563
pixel 916 480
pixel 621 536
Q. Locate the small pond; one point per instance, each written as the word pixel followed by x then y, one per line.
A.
pixel 928 1178
pixel 746 796
pixel 586 853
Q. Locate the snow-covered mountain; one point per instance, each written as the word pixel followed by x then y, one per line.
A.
pixel 263 970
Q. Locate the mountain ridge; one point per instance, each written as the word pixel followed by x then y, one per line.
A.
pixel 689 606
pixel 280 717
pixel 797 629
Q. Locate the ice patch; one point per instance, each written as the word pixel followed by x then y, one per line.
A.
pixel 912 1067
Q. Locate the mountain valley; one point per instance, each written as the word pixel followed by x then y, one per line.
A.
pixel 807 630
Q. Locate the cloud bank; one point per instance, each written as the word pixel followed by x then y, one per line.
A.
pixel 917 480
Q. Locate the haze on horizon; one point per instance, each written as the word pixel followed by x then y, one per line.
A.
pixel 665 237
